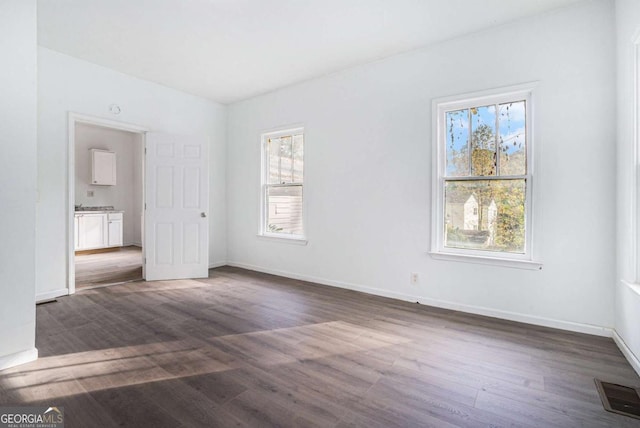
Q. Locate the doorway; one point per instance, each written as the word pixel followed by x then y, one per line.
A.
pixel 106 191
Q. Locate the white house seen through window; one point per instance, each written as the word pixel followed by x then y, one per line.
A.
pixel 484 175
pixel 282 185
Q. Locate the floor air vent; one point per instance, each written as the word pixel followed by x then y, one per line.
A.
pixel 619 399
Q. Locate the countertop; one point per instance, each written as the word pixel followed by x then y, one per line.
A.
pixel 97 210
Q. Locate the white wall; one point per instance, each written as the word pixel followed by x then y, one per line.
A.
pixel 68 84
pixel 368 172
pixel 18 177
pixel 126 146
pixel 627 306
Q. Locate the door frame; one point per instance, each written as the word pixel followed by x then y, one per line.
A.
pixel 73 120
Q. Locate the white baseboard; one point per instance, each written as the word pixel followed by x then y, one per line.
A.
pixel 217 264
pixel 132 244
pixel 329 282
pixel 18 358
pixel 52 294
pixel 627 352
pixel 478 310
pixel 523 318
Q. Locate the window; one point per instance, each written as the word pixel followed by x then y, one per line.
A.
pixel 484 176
pixel 282 184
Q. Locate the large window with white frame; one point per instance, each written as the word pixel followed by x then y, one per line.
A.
pixel 282 184
pixel 483 175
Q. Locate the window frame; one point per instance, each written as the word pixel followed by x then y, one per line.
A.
pixel 263 231
pixel 440 107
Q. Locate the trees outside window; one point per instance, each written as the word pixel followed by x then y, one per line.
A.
pixel 484 175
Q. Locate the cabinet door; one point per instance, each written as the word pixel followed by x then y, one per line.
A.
pixel 76 233
pixel 103 167
pixel 115 233
pixel 93 232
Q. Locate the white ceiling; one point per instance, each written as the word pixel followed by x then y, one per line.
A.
pixel 229 50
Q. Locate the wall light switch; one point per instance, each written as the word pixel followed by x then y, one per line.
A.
pixel 90 193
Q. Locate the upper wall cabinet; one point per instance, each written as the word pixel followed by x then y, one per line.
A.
pixel 103 167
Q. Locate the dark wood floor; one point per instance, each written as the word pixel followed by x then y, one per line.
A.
pixel 250 350
pixel 103 268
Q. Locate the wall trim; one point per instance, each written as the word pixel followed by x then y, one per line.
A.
pixel 576 327
pixel 627 352
pixel 324 281
pixel 52 294
pixel 18 358
pixel 217 264
pixel 478 310
pixel 633 286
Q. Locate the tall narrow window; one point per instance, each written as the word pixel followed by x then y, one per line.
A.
pixel 484 176
pixel 282 184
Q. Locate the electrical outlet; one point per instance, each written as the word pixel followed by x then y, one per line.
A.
pixel 414 277
pixel 89 193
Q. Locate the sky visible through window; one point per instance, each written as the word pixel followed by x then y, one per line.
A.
pixel 482 121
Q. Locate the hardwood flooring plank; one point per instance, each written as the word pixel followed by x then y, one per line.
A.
pixel 130 407
pixel 529 414
pixel 218 387
pixel 256 410
pixel 100 268
pixel 248 349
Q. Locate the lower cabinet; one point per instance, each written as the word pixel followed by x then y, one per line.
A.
pixel 114 230
pixel 98 230
pixel 76 232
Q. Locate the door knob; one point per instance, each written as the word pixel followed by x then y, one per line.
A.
pixel 203 215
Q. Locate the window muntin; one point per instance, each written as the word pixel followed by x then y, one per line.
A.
pixel 484 176
pixel 282 188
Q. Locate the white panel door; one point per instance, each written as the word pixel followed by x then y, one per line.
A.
pixel 176 226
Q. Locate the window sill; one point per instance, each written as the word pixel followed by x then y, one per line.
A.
pixel 633 286
pixel 286 239
pixel 491 261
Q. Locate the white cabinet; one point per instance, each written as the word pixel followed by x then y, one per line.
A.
pixel 76 233
pixel 103 167
pixel 92 231
pixel 98 230
pixel 114 229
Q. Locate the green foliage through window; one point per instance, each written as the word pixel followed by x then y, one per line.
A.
pixel 485 177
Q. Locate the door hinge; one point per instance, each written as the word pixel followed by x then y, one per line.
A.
pixel 145 150
pixel 145 205
pixel 145 260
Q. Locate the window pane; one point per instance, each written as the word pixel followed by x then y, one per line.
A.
pixel 457 144
pixel 298 158
pixel 273 153
pixel 513 151
pixel 280 160
pixel 286 160
pixel 483 140
pixel 485 215
pixel 284 210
